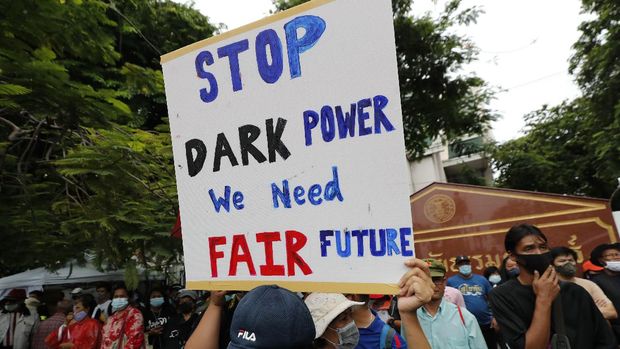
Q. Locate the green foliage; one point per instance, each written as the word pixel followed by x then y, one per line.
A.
pixel 437 101
pixel 85 155
pixel 574 148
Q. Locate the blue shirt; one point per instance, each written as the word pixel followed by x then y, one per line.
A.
pixel 447 330
pixel 475 291
pixel 370 337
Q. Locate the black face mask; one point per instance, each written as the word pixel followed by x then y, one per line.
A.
pixel 186 307
pixel 567 270
pixel 532 262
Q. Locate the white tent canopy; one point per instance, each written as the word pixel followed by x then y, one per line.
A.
pixel 35 279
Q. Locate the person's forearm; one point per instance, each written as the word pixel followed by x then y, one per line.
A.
pixel 207 333
pixel 416 339
pixel 537 336
pixel 608 311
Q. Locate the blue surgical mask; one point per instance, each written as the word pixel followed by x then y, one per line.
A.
pixel 157 302
pixel 495 279
pixel 119 303
pixel 79 316
pixel 514 272
pixel 465 269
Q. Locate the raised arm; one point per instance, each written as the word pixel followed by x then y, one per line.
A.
pixel 416 289
pixel 207 333
pixel 546 288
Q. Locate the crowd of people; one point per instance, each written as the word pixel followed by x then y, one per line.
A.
pixel 534 299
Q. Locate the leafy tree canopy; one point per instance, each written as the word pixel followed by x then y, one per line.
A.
pixel 85 157
pixel 573 148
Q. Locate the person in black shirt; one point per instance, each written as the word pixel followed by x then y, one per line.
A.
pixel 523 306
pixel 608 256
pixel 181 326
pixel 156 316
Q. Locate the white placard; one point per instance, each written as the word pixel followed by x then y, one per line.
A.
pixel 289 152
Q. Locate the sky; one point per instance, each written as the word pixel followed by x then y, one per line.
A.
pixel 524 49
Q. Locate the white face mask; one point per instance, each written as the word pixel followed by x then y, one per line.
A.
pixel 348 336
pixel 613 266
pixel 495 279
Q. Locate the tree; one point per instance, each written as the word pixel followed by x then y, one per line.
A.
pixel 436 100
pixel 85 162
pixel 573 148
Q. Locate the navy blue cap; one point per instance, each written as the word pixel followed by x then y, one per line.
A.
pixel 270 317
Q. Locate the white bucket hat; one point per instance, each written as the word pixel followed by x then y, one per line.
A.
pixel 325 307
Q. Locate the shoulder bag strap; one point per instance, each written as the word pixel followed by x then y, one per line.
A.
pixel 460 314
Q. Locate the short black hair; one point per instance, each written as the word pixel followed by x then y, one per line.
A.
pixel 518 232
pixel 490 270
pixel 88 301
pixel 122 286
pixel 103 285
pixel 563 251
pixel 37 293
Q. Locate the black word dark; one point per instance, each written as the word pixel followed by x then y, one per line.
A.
pixel 196 150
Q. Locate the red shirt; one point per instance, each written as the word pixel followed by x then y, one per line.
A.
pixel 85 334
pixel 124 330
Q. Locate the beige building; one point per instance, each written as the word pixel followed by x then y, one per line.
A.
pixel 443 163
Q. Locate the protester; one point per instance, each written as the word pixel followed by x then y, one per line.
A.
pixel 373 332
pixel 181 326
pixel 608 257
pixel 508 270
pixel 232 301
pixel 523 306
pixel 381 305
pixel 41 307
pixel 51 324
pixel 492 274
pixel 565 263
pixel 447 325
pixel 32 304
pixel 124 329
pixel 272 317
pixel 104 303
pixel 173 291
pixel 156 316
pixel 333 321
pixel 590 270
pixel 17 324
pixel 394 316
pixel 82 332
pixel 76 293
pixel 475 290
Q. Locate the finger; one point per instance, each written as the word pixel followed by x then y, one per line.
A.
pixel 405 277
pixel 413 287
pixel 418 279
pixel 408 282
pixel 536 275
pixel 549 272
pixel 554 277
pixel 417 263
pixel 417 272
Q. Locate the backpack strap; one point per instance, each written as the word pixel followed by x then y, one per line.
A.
pixel 387 336
pixel 461 314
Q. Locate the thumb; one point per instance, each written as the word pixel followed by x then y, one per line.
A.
pixel 536 275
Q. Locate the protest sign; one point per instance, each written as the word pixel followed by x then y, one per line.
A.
pixel 289 152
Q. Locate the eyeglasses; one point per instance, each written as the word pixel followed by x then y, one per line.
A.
pixel 438 280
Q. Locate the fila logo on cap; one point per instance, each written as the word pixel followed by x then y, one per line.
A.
pixel 248 336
